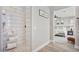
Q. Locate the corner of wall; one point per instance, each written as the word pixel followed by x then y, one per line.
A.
pixel 37 49
pixel 76 47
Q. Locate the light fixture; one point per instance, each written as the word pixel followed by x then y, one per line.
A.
pixel 55 16
pixel 3 12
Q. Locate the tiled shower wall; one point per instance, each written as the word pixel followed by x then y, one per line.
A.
pixel 17 20
pixel 29 28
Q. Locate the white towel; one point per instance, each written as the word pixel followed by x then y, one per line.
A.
pixel 11 45
pixel 12 39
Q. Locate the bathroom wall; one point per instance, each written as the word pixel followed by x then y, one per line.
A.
pixel 4 28
pixel 0 31
pixel 40 27
pixel 51 23
pixel 77 27
pixel 29 28
pixel 16 22
pixel 0 35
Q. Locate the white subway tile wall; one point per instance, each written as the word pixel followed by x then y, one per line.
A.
pixel 29 28
pixel 17 21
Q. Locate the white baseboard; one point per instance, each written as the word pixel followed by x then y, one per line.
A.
pixel 51 40
pixel 37 49
pixel 76 46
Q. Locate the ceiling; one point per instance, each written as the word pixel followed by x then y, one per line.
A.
pixel 58 7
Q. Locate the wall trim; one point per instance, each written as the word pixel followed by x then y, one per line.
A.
pixel 76 47
pixel 37 49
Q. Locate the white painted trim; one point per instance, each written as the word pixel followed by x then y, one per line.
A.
pixel 37 49
pixel 51 40
pixel 76 46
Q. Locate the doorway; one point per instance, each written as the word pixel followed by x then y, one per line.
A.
pixel 63 25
